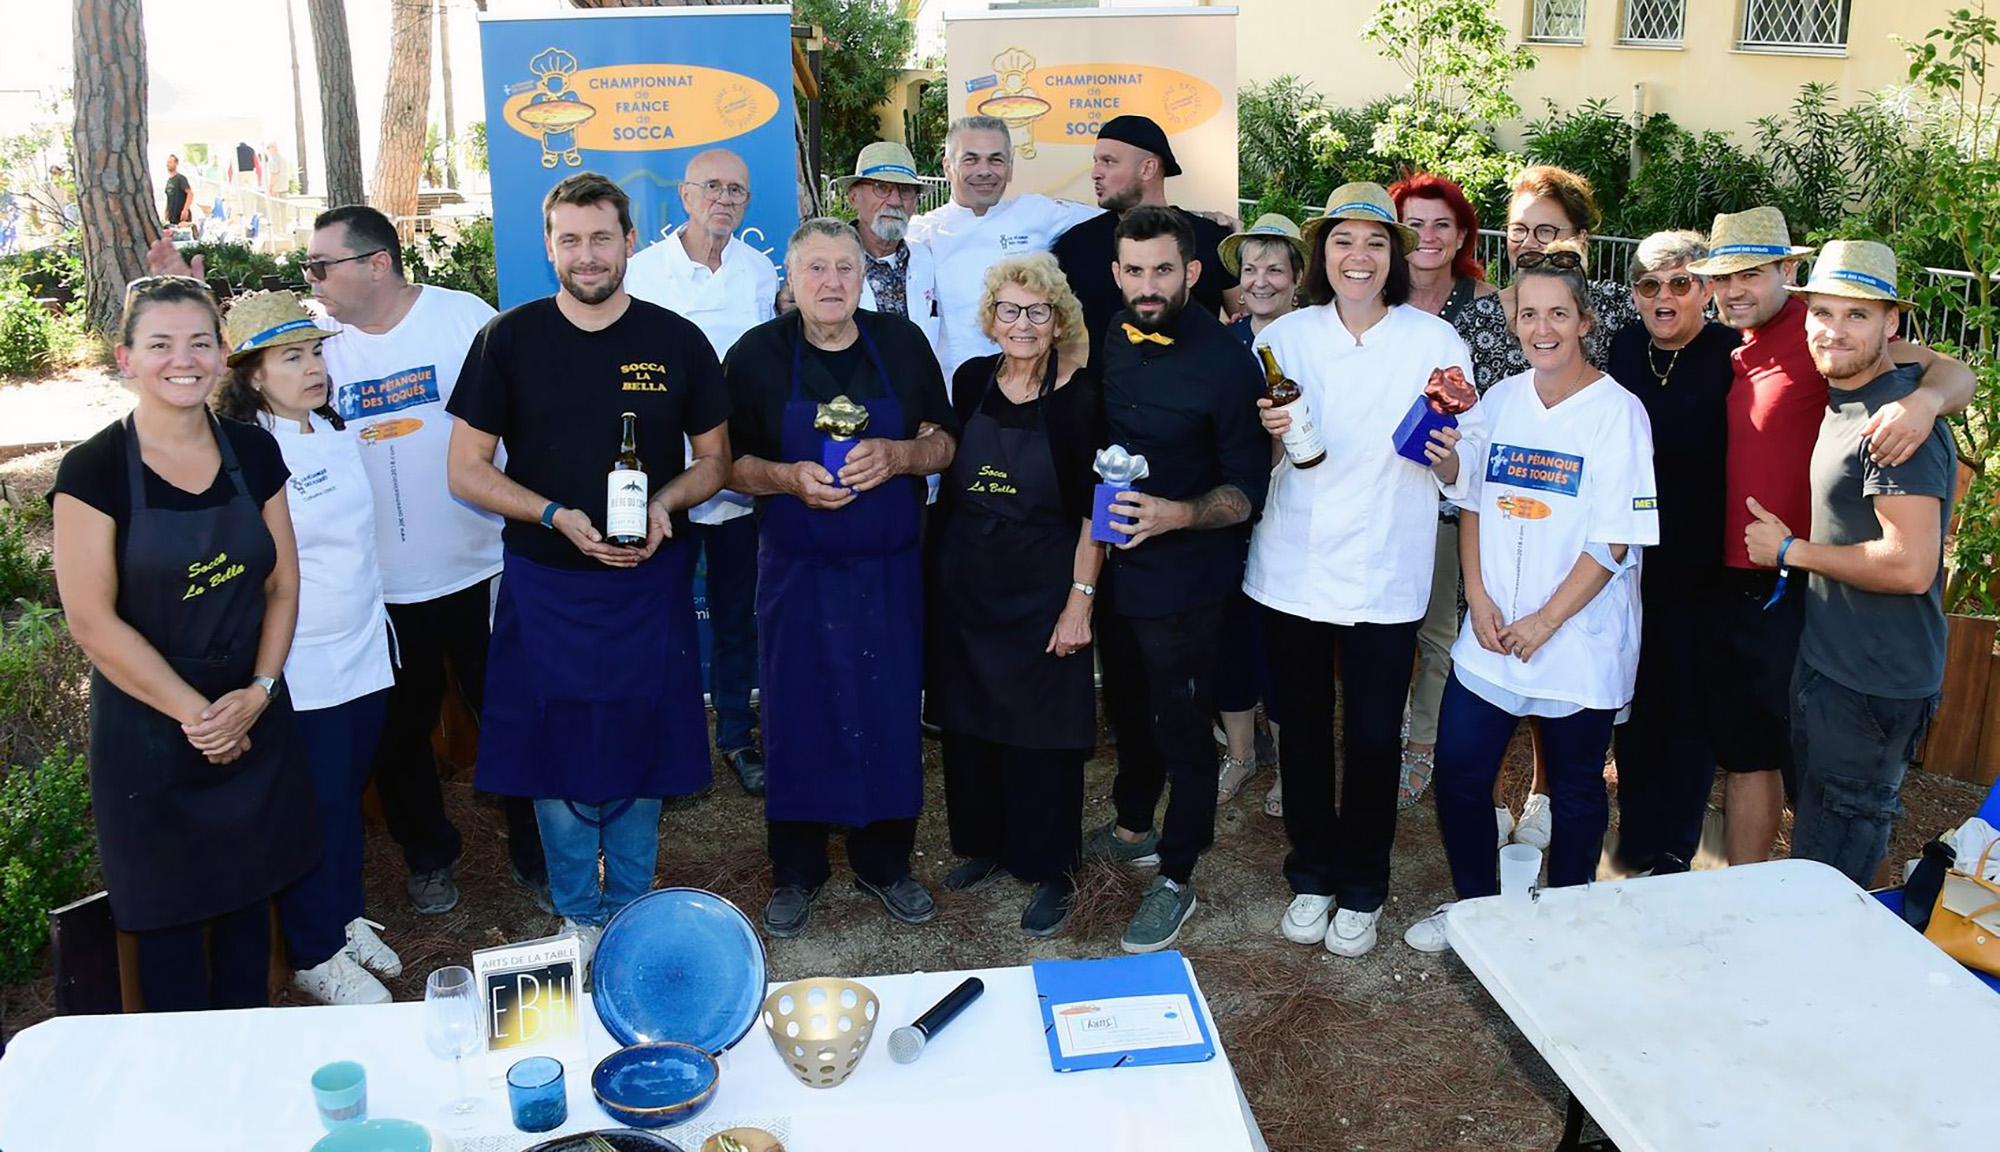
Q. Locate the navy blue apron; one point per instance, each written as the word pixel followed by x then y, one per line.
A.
pixel 839 636
pixel 1004 571
pixel 593 683
pixel 182 840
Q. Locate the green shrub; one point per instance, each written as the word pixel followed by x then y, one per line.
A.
pixel 54 271
pixel 48 855
pixel 25 573
pixel 44 686
pixel 241 265
pixel 1684 180
pixel 33 340
pixel 465 263
pixel 1593 141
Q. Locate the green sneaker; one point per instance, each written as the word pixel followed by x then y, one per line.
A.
pixel 1162 911
pixel 1105 844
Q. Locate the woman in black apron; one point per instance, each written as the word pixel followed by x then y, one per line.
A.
pixel 175 559
pixel 1015 573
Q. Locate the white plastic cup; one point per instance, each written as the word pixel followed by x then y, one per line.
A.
pixel 1520 870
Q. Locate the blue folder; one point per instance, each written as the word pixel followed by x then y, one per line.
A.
pixel 1156 974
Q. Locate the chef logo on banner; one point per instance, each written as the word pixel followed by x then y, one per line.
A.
pixel 1537 468
pixel 568 108
pixel 1068 103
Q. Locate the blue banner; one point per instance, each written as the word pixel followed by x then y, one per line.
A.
pixel 634 96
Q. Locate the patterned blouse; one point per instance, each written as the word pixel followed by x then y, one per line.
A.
pixel 1496 354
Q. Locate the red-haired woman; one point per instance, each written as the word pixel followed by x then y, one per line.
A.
pixel 1445 278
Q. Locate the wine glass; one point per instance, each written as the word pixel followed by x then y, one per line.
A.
pixel 454 1029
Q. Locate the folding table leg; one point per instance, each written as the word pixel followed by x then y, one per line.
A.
pixel 1572 1137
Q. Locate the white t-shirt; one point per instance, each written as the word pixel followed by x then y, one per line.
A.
pixel 1557 483
pixel 1353 539
pixel 966 245
pixel 391 389
pixel 724 303
pixel 340 648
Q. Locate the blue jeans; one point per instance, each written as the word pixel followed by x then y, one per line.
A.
pixel 572 837
pixel 731 551
pixel 1472 738
pixel 1851 752
pixel 340 748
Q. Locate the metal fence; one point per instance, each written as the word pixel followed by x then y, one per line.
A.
pixel 936 193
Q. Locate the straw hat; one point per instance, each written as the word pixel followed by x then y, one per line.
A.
pixel 1856 269
pixel 1360 200
pixel 884 161
pixel 266 320
pixel 1746 239
pixel 1269 226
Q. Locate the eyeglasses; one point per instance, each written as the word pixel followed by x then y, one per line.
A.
pixel 1679 284
pixel 1006 311
pixel 719 191
pixel 1543 233
pixel 1560 261
pixel 317 268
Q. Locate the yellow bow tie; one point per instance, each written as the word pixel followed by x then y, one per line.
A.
pixel 1137 337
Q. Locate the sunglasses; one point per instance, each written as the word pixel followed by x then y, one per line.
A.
pixel 1006 311
pixel 146 284
pixel 1560 261
pixel 317 268
pixel 1649 287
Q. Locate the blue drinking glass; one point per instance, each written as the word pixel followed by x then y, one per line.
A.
pixel 536 1093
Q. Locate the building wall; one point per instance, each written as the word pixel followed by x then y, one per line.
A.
pixel 1707 83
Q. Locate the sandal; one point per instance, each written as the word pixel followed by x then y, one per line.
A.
pixel 1416 776
pixel 1274 800
pixel 1230 780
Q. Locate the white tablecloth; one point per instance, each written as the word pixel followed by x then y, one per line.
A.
pixel 238 1080
pixel 1769 1006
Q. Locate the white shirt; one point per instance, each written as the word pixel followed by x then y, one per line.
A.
pixel 340 648
pixel 1557 483
pixel 723 302
pixel 1353 539
pixel 920 293
pixel 965 245
pixel 391 389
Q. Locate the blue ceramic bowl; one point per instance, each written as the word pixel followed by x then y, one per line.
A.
pixel 655 1085
pixel 377 1136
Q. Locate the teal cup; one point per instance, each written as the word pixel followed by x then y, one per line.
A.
pixel 340 1091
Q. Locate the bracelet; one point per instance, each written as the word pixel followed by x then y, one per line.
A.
pixel 1784 546
pixel 549 514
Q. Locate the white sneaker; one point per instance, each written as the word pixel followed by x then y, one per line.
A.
pixel 1428 934
pixel 1536 823
pixel 367 949
pixel 587 936
pixel 340 981
pixel 1305 920
pixel 1506 822
pixel 1353 933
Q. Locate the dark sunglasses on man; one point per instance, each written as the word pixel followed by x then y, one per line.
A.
pixel 317 268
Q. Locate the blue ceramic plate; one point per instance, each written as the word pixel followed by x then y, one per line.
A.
pixel 679 964
pixel 655 1085
pixel 377 1136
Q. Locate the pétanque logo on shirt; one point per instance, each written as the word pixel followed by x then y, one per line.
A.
pixel 643 376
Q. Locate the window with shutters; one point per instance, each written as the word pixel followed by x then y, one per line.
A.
pixel 1556 21
pixel 1796 25
pixel 1654 23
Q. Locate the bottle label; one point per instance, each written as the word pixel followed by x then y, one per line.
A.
pixel 1301 440
pixel 625 503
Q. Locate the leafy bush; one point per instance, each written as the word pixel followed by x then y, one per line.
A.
pixel 243 266
pixel 1593 141
pixel 54 271
pixel 465 264
pixel 47 855
pixel 1684 180
pixel 33 339
pixel 24 569
pixel 44 686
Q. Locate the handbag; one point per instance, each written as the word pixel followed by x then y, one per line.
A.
pixel 1965 921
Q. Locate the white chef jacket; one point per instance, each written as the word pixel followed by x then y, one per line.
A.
pixel 965 245
pixel 1353 540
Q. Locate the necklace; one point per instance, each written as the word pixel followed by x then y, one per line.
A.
pixel 1659 375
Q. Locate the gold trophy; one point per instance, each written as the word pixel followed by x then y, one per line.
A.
pixel 839 421
pixel 1015 102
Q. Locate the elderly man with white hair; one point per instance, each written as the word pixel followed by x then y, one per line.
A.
pixel 839 583
pixel 901 276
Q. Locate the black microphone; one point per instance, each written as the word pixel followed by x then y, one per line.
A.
pixel 907 1043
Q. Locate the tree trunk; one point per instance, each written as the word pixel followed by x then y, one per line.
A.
pixel 340 123
pixel 298 99
pixel 406 106
pixel 114 189
pixel 444 71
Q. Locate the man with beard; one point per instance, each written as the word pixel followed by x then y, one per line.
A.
pixel 1871 658
pixel 1129 168
pixel 593 692
pixel 901 278
pixel 703 272
pixel 1182 392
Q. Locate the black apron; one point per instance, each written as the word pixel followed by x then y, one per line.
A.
pixel 183 840
pixel 1003 577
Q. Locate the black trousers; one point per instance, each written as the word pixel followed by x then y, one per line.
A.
pixel 1021 805
pixel 1340 849
pixel 878 852
pixel 224 962
pixel 406 775
pixel 1666 764
pixel 1160 692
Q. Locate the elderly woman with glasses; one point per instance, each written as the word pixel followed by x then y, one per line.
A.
pixel 1676 361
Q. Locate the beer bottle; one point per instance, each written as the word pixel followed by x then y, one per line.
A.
pixel 625 490
pixel 1303 446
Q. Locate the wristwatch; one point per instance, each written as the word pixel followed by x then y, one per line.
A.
pixel 1086 589
pixel 268 683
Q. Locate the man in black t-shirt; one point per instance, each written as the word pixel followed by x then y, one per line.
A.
pixel 177 192
pixel 1130 166
pixel 593 690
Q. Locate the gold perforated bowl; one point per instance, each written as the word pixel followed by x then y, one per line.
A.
pixel 821 1027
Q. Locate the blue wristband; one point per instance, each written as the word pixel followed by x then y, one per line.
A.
pixel 1784 546
pixel 549 514
pixel 1784 574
